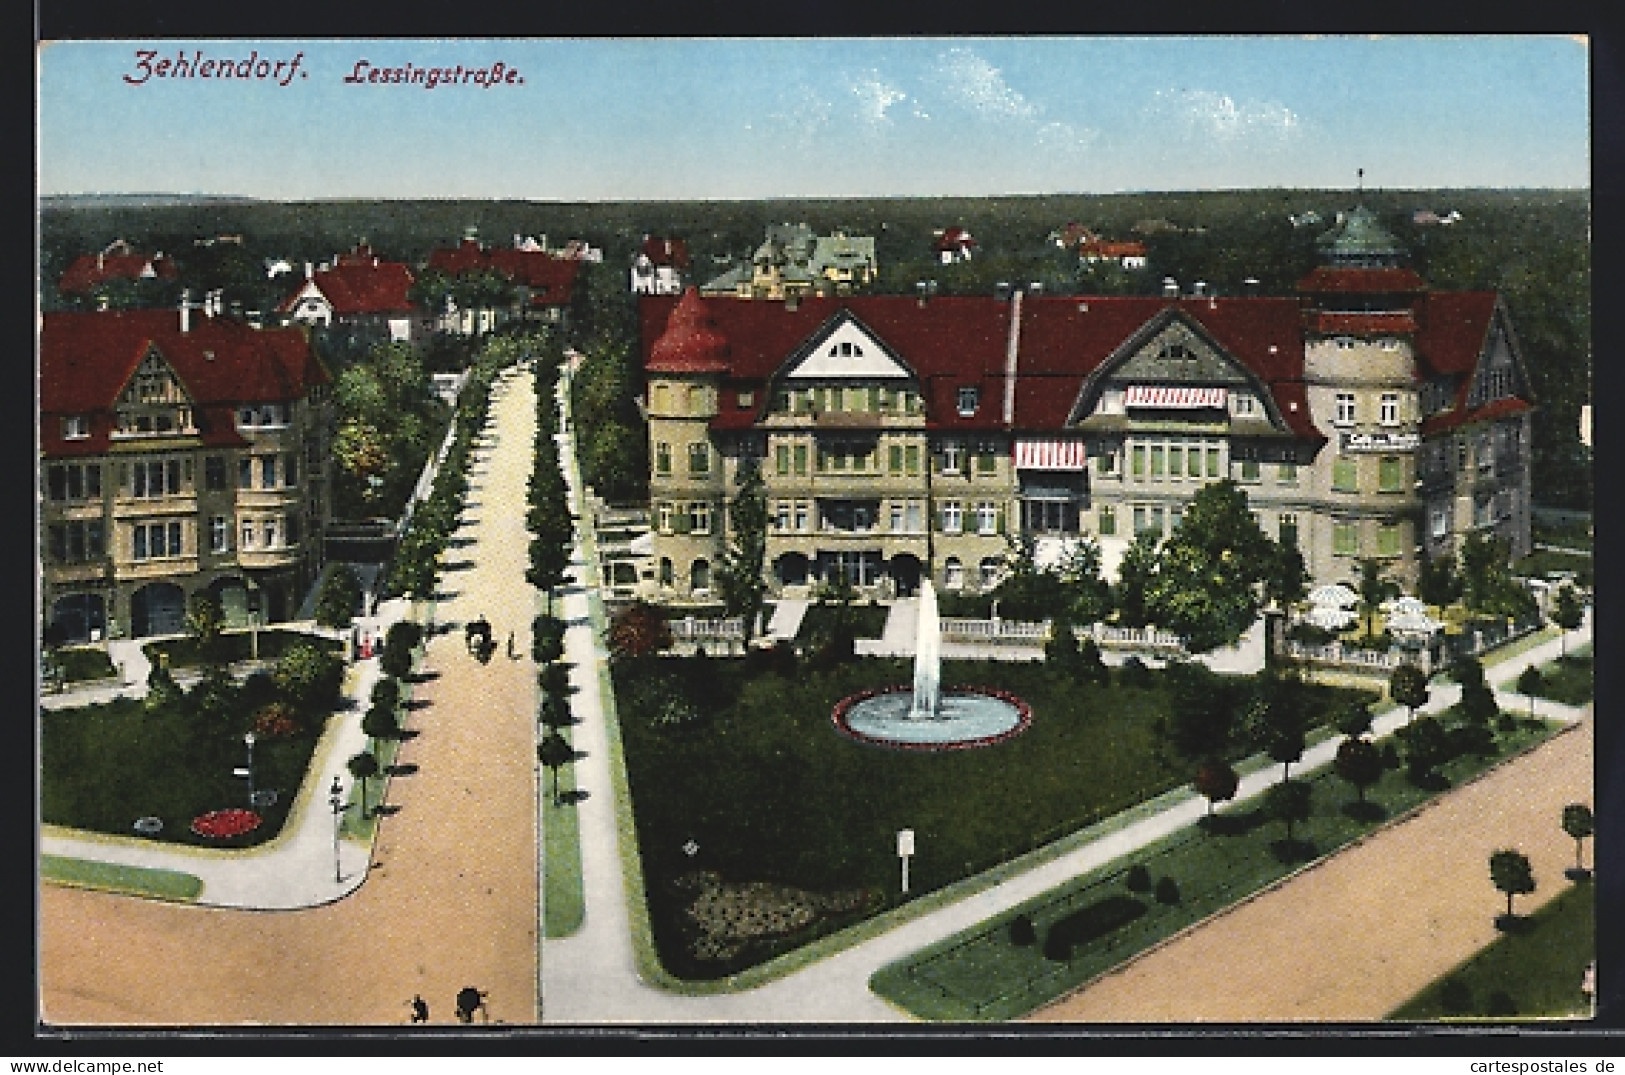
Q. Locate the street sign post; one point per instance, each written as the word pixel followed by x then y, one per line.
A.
pixel 905 848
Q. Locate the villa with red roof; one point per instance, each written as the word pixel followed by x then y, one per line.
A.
pixel 953 245
pixel 543 284
pixel 661 267
pixel 1365 417
pixel 118 261
pixel 357 290
pixel 180 453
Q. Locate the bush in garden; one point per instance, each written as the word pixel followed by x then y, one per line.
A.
pixel 386 693
pixel 1022 932
pixel 1167 891
pixel 340 597
pixel 380 723
pixel 276 721
pixel 1135 673
pixel 1057 945
pixel 1455 996
pixel 1138 878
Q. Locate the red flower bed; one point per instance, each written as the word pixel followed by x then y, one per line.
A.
pixel 223 823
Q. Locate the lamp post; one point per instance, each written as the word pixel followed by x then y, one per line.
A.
pixel 335 799
pixel 248 741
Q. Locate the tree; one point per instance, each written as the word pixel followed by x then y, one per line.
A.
pixel 340 597
pixel 1530 682
pixel 1354 719
pixel 1278 719
pixel 1360 763
pixel 1373 589
pixel 1217 782
pixel 1578 823
pixel 1289 803
pixel 1437 582
pixel 639 630
pixel 204 621
pixel 1408 685
pixel 1510 872
pixel 363 766
pixel 1567 613
pixel 1287 581
pixel 740 574
pixel 1427 746
pixel 1210 571
pixel 1201 713
pixel 309 677
pixel 546 639
pixel 554 752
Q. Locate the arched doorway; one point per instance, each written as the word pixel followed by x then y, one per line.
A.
pixel 158 608
pixel 79 617
pixel 699 576
pixel 791 569
pixel 233 597
pixel 905 573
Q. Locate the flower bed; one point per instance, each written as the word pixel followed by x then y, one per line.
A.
pixel 223 824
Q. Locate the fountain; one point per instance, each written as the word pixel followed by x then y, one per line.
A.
pixel 923 717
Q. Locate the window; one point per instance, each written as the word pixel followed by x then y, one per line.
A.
pixel 953 457
pixel 781 515
pixel 1212 462
pixel 1461 453
pixel 74 481
pixel 699 459
pixel 271 534
pixel 1139 519
pixel 800 453
pixel 214 473
pixel 151 541
pixel 987 458
pixel 155 477
pixel 1246 404
pixel 953 519
pixel 1345 409
pixel 75 427
pixel 1345 539
pixel 911 458
pixel 1176 460
pixel 1345 343
pixel 894 459
pixel 219 533
pixel 1249 470
pixel 699 517
pixel 249 532
pixel 953 573
pixel 1106 464
pixel 987 517
pixel 1157 461
pixel 1388 409
pixel 990 569
pixel 1156 519
pixel 267 472
pixel 1345 476
pixel 667 574
pixel 1388 539
pixel 1107 520
pixel 662 399
pixel 803 516
pixel 245 472
pixel 1137 461
pixel 699 576
pixel 663 518
pixel 1287 530
pixel 1287 474
pixel 292 525
pixel 747 400
pixel 1439 521
pixel 76 542
pixel 968 398
pixel 1391 474
pixel 663 458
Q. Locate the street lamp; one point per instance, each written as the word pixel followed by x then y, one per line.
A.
pixel 248 741
pixel 335 799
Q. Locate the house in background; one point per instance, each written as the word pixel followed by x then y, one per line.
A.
pixel 952 245
pixel 661 267
pixel 792 261
pixel 118 261
pixel 522 282
pixel 360 292
pixel 181 452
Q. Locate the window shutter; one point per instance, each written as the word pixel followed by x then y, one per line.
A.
pixel 998 520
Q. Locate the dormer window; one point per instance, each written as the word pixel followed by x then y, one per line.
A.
pixel 1246 405
pixel 75 427
pixel 968 400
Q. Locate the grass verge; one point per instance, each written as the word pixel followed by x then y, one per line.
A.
pixel 112 877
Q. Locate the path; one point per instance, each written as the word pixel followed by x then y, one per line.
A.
pixel 450 899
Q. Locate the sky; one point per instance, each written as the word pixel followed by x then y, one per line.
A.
pixel 716 118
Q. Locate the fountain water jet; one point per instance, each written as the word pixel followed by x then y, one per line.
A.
pixel 924 717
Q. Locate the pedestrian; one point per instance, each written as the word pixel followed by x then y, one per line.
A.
pixel 420 1009
pixel 470 1000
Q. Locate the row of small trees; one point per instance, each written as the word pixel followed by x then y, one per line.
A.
pixel 551 526
pixel 383 717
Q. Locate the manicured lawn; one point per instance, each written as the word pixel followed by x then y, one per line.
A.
pixel 1570 679
pixel 749 772
pixel 111 877
pixel 78 665
pixel 981 975
pixel 869 620
pixel 1534 972
pixel 104 766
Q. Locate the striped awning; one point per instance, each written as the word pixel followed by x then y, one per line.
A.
pixel 1050 453
pixel 1182 397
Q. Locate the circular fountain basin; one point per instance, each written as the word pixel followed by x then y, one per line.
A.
pixel 967 717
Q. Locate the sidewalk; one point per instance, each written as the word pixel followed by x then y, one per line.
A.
pixel 297 868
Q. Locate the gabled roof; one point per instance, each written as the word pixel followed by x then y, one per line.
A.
pixel 551 280
pixel 955 238
pixel 1455 333
pixel 86 359
pixel 118 262
pixel 673 252
pixel 357 284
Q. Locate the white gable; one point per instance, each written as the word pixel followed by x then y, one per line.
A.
pixel 847 351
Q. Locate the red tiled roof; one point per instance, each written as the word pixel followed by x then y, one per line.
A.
pixel 1461 416
pixel 551 280
pixel 1327 280
pixel 1453 329
pixel 673 252
pixel 356 287
pixel 86 359
pixel 690 343
pixel 89 270
pixel 1109 248
pixel 1361 324
pixel 954 239
pixel 955 342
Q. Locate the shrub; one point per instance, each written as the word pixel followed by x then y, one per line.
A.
pixel 386 693
pixel 1138 878
pixel 380 723
pixel 1093 922
pixel 340 597
pixel 275 721
pixel 1057 945
pixel 1022 932
pixel 1167 891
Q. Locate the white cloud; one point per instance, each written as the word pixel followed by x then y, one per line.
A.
pixel 873 97
pixel 975 83
pixel 1225 120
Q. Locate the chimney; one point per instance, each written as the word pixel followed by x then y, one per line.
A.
pixel 1012 349
pixel 186 310
pixel 101 303
pixel 1001 291
pixel 1199 288
pixel 1170 288
pixel 310 270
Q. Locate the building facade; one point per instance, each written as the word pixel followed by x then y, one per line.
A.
pixel 1365 417
pixel 179 453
